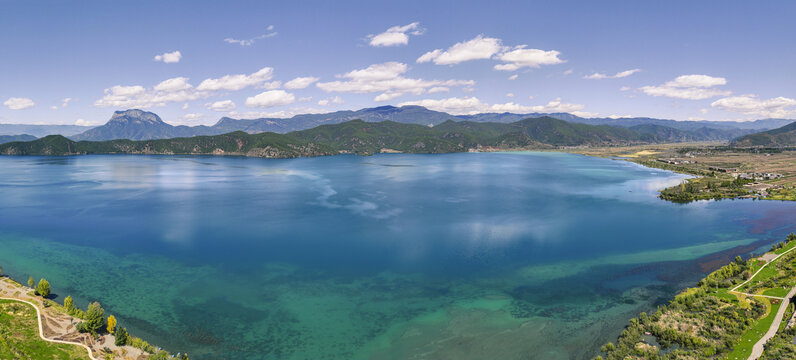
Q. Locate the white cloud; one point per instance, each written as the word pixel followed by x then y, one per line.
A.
pixel 691 87
pixel 510 94
pixel 482 47
pixel 386 78
pixel 703 111
pixel 192 117
pixel 179 90
pixel 53 107
pixel 438 89
pixel 334 100
pixel 18 103
pixel 387 96
pixel 778 107
pixel 521 57
pixel 568 72
pixel 173 84
pixel 136 96
pixel 621 74
pixel 271 98
pixel 168 58
pixel 624 88
pixel 282 114
pixel 237 82
pixel 83 122
pixel 65 102
pixel 127 90
pixel 614 116
pixel 396 35
pixel 472 105
pixel 224 105
pixel 697 81
pixel 513 77
pixel 185 106
pixel 249 42
pixel 479 47
pixel 271 85
pixel 300 82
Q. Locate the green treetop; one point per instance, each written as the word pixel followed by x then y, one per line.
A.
pixel 95 318
pixel 43 289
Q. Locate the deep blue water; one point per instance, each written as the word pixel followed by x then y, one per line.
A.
pixel 516 255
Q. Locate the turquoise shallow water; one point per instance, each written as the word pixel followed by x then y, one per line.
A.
pixel 516 255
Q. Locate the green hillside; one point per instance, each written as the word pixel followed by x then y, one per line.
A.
pixel 780 137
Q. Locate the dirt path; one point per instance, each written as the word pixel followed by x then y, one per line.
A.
pixel 58 327
pixel 757 350
pixel 768 261
pixel 41 330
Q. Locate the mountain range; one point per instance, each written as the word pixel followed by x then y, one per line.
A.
pixel 142 125
pixel 355 136
pixel 362 137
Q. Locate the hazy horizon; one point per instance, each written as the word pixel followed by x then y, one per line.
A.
pixel 217 119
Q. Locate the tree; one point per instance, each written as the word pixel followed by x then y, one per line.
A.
pixel 1 271
pixel 43 288
pixel 111 324
pixel 31 282
pixel 121 337
pixel 69 305
pixel 95 318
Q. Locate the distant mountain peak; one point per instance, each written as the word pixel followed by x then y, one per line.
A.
pixel 135 116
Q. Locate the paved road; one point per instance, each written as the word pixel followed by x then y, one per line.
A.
pixel 41 331
pixel 757 350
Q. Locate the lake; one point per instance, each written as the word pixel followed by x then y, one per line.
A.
pixel 395 256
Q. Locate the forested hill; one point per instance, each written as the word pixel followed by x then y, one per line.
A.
pixel 780 137
pixel 356 137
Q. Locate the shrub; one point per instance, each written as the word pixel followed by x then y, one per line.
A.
pixel 69 305
pixel 121 337
pixel 139 343
pixel 95 317
pixel 161 355
pixel 43 289
pixel 111 324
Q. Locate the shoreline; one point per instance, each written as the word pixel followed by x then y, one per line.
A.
pixel 686 326
pixel 57 325
pixel 704 184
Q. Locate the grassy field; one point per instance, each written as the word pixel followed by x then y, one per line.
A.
pixel 19 336
pixel 781 346
pixel 773 280
pixel 776 278
pixel 751 336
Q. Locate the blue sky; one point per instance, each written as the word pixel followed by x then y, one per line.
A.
pixel 713 60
